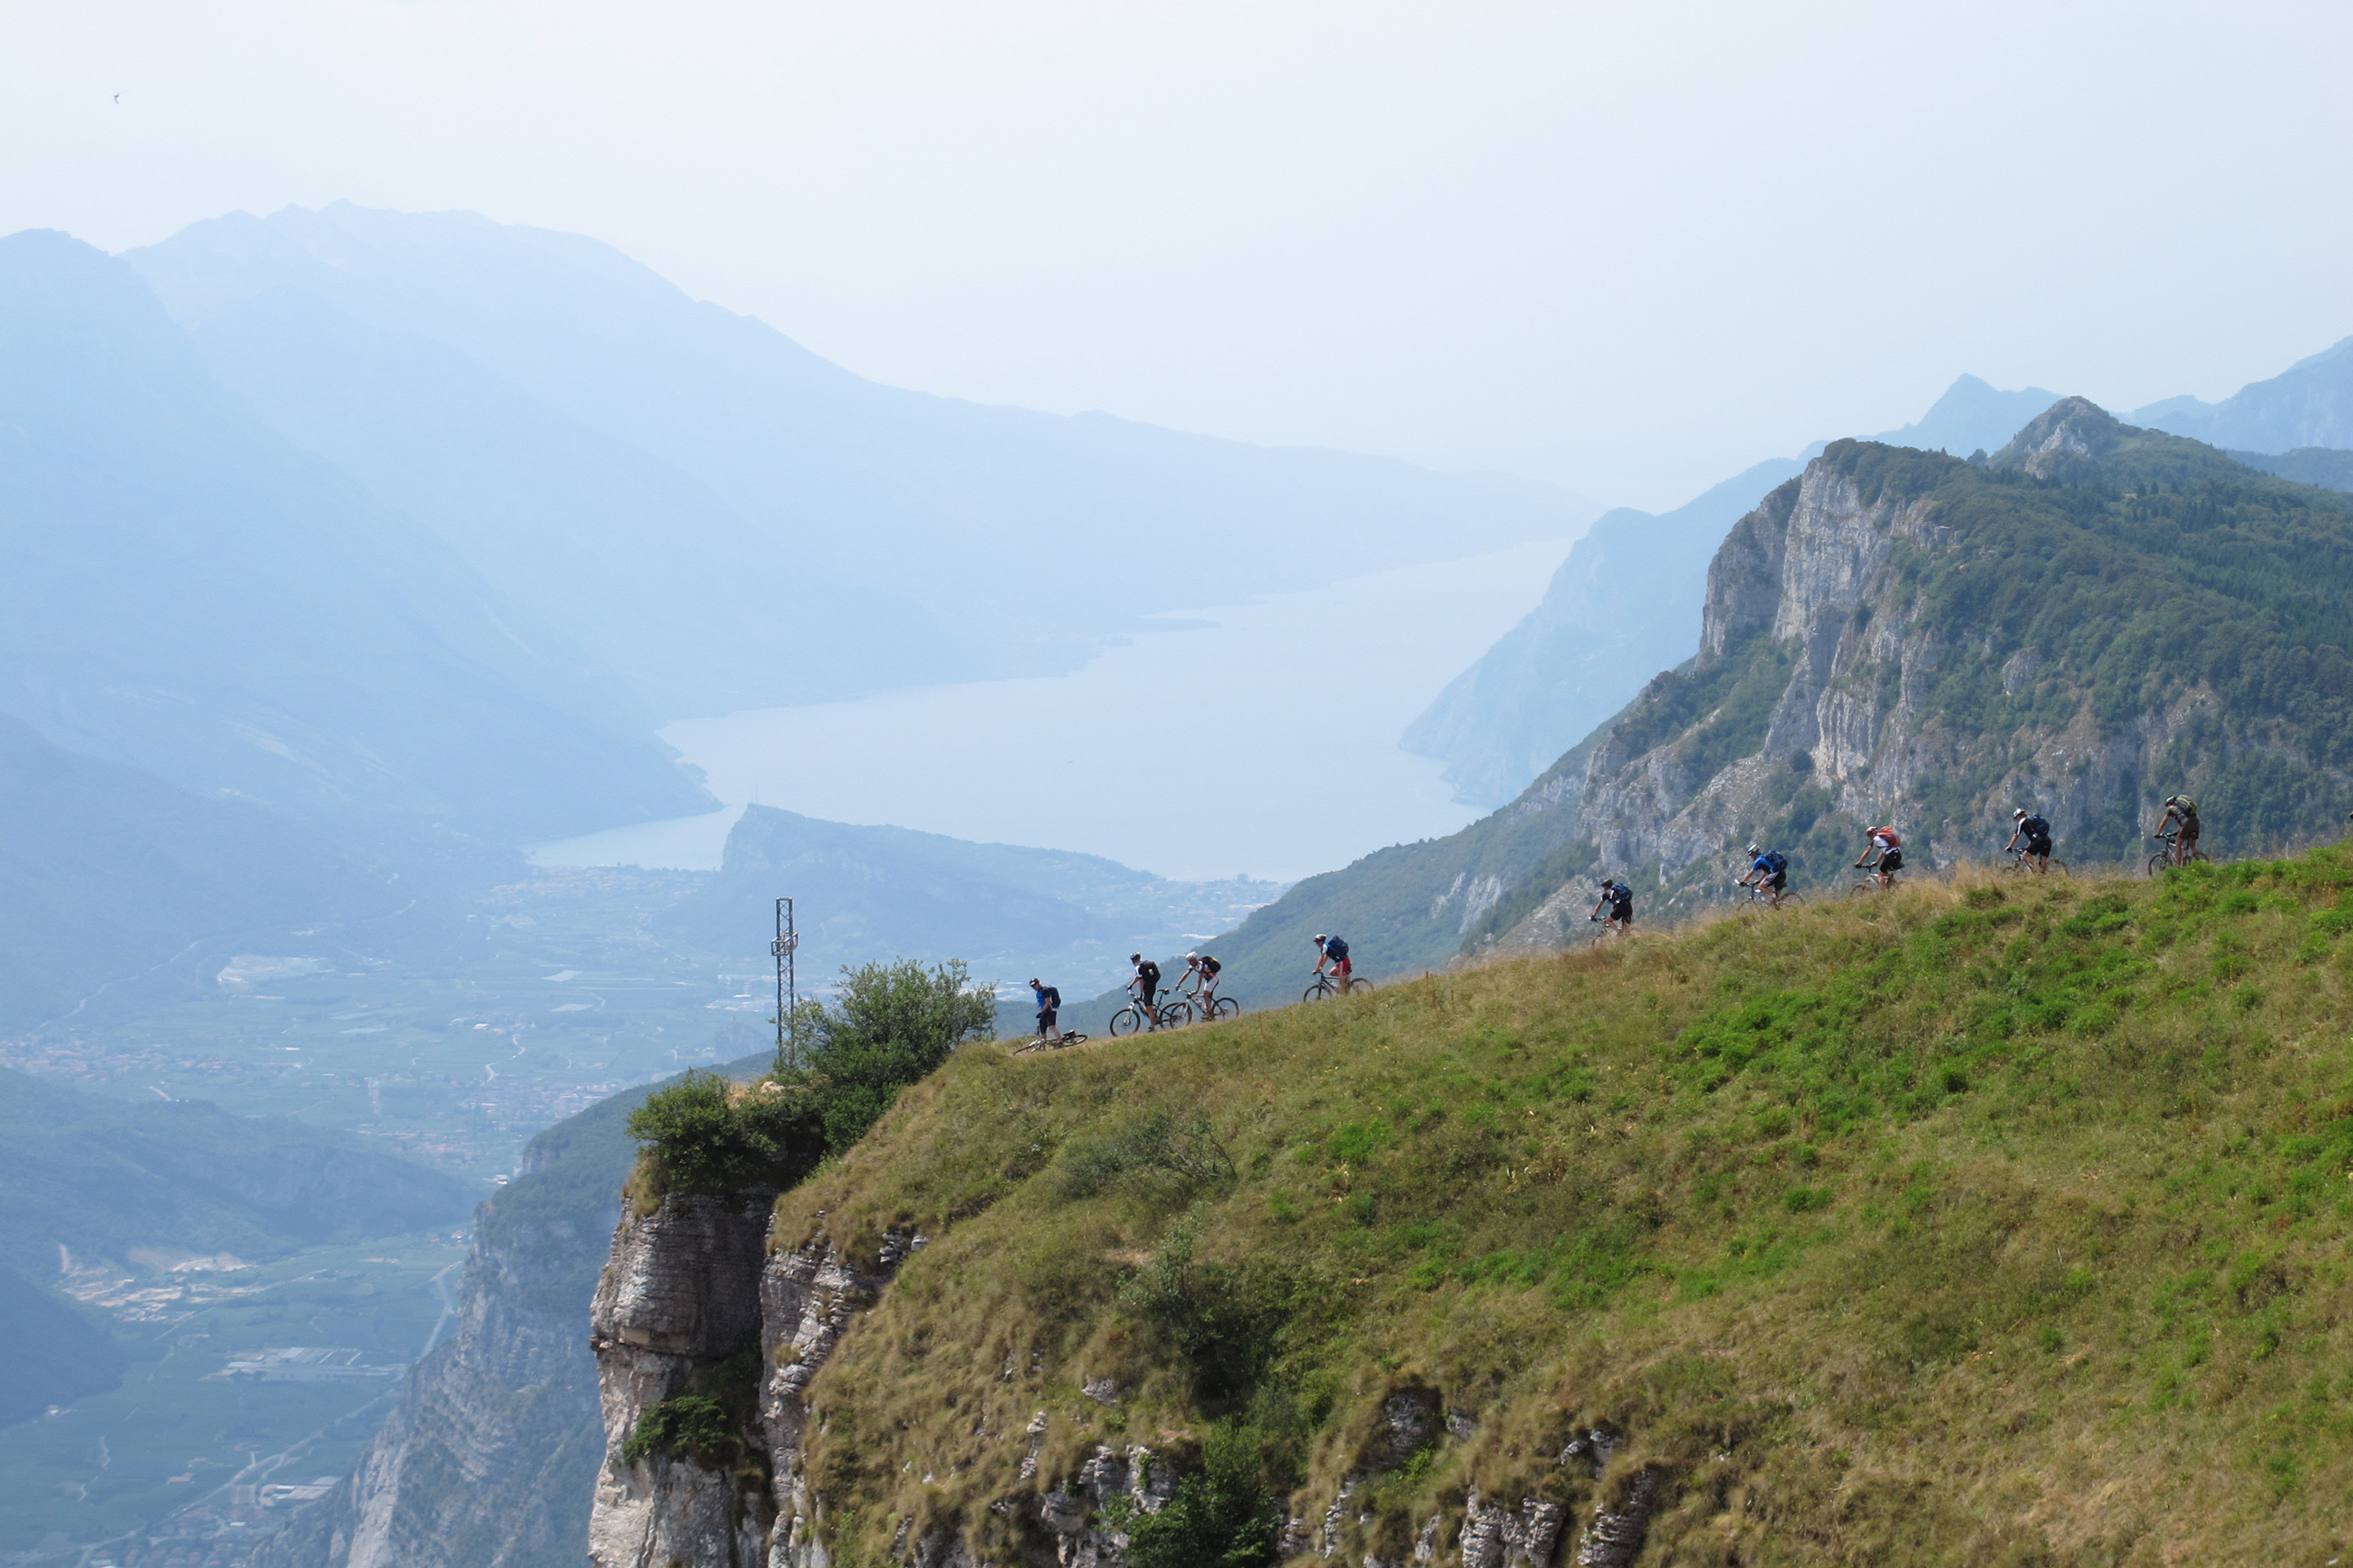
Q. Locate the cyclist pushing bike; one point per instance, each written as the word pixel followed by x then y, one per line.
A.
pixel 1769 872
pixel 1050 1002
pixel 1888 845
pixel 2182 818
pixel 2035 830
pixel 1619 899
pixel 1333 950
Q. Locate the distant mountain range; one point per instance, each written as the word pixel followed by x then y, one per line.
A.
pixel 729 519
pixel 189 595
pixel 2309 404
pixel 1625 606
pixel 350 547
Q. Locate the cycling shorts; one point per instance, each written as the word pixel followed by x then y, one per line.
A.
pixel 1341 967
pixel 1623 910
pixel 1045 1020
pixel 1892 861
pixel 2040 848
pixel 1778 881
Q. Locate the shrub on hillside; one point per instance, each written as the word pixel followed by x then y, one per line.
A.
pixel 704 1135
pixel 889 1027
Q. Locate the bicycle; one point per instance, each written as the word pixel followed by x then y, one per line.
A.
pixel 2165 857
pixel 1174 1013
pixel 1756 898
pixel 1871 884
pixel 2020 865
pixel 1069 1037
pixel 1216 1008
pixel 1610 927
pixel 1323 987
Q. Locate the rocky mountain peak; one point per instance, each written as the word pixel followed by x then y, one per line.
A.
pixel 2071 428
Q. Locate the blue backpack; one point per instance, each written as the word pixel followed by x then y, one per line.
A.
pixel 1776 863
pixel 1334 949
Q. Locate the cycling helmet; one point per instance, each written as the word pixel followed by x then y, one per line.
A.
pixel 1752 849
pixel 1135 957
pixel 2019 815
pixel 1319 936
pixel 1033 980
pixel 1190 957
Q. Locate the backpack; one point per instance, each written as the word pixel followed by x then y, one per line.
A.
pixel 1210 965
pixel 1776 863
pixel 2035 827
pixel 1149 972
pixel 1335 949
pixel 1053 1001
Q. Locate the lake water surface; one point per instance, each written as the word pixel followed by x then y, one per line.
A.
pixel 1258 738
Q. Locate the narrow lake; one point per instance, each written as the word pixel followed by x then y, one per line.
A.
pixel 1257 738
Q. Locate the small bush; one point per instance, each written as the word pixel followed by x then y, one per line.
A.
pixel 1228 1516
pixel 703 1135
pixel 687 1425
pixel 1153 1151
pixel 1222 1317
pixel 708 1423
pixel 891 1026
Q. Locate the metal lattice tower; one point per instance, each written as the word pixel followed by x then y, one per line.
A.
pixel 787 985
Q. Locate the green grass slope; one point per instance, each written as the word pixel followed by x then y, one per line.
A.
pixel 1980 1223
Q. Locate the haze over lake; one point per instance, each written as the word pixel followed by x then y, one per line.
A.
pixel 1257 738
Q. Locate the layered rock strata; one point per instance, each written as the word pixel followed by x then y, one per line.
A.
pixel 681 1297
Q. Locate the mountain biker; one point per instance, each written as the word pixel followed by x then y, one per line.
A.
pixel 2180 813
pixel 2036 831
pixel 1333 951
pixel 1767 869
pixel 1202 970
pixel 1147 987
pixel 1050 1002
pixel 1619 898
pixel 1888 845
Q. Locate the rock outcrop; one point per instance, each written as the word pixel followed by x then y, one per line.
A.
pixel 679 1301
pixel 1901 637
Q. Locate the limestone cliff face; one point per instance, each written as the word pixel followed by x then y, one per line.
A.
pixel 1901 637
pixel 487 1461
pixel 688 1284
pixel 681 1297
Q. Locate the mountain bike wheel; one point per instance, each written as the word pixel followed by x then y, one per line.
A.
pixel 1071 1037
pixel 1358 987
pixel 1126 1021
pixel 1175 1015
pixel 2157 863
pixel 1792 898
pixel 1028 1045
pixel 1865 888
pixel 1225 1007
pixel 2059 868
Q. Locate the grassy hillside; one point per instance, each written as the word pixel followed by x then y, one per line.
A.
pixel 1982 1223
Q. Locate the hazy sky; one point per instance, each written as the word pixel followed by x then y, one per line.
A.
pixel 1630 246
